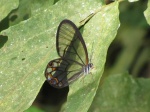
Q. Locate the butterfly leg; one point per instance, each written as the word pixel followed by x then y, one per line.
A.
pixel 91 75
pixel 82 79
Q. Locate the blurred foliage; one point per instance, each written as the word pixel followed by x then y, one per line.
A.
pixel 130 51
pixel 132 41
pixel 118 91
pixel 122 93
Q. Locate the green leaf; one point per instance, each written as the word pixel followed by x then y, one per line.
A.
pixel 99 31
pixel 38 6
pixel 146 12
pixel 33 109
pixel 133 0
pixel 31 45
pixel 6 7
pixel 122 93
pixel 28 8
pixel 22 13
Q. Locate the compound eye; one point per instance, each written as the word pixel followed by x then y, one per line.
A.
pixel 91 64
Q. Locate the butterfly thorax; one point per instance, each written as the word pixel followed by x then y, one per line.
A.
pixel 87 68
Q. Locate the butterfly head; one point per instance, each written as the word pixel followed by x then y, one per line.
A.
pixel 90 65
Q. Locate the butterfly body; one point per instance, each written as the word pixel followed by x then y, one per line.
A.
pixel 87 68
pixel 73 62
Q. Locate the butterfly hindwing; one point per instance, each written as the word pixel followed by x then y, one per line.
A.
pixel 60 73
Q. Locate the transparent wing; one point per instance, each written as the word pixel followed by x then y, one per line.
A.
pixel 70 44
pixel 73 56
pixel 60 73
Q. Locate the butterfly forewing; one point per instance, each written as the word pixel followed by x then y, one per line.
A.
pixel 73 56
pixel 70 44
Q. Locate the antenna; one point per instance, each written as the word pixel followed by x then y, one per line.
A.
pixel 91 53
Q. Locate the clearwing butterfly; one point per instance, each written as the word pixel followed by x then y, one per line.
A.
pixel 73 62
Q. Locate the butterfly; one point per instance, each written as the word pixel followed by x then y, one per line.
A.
pixel 73 62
